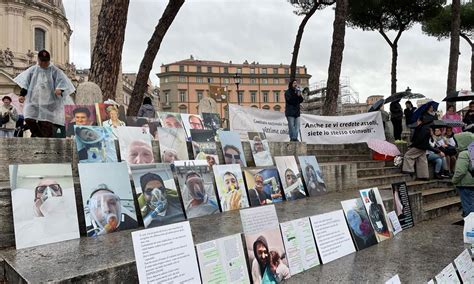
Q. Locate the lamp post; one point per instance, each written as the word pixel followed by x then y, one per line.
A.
pixel 237 81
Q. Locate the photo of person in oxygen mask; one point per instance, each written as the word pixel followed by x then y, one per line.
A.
pixel 107 197
pixel 95 144
pixel 43 203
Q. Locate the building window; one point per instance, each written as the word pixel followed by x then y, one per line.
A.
pixel 209 80
pixel 183 109
pixel 199 80
pixel 277 108
pixel 226 70
pixel 252 70
pixel 253 96
pixel 266 107
pixel 276 96
pixel 297 70
pixel 167 98
pixel 276 81
pixel 275 70
pixel 265 96
pixel 239 70
pixel 167 69
pixel 199 95
pixel 182 79
pixel 254 106
pixel 198 69
pixel 287 71
pixel 165 80
pixel 182 96
pixel 240 97
pixel 40 39
pixel 209 69
pixel 264 81
pixel 226 80
pixel 253 81
pixel 264 70
pixel 181 68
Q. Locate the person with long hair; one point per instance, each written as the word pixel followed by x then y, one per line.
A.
pixel 293 100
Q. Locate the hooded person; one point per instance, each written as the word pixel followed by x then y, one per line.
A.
pixel 261 272
pixel 200 204
pixel 158 205
pixel 46 89
pixel 147 109
pixel 377 216
pixel 463 173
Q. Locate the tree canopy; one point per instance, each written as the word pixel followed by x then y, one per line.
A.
pixel 440 25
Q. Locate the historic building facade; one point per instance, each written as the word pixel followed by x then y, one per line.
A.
pixel 28 26
pixel 184 83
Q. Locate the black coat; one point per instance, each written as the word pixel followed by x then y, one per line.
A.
pixel 292 103
pixel 421 138
pixel 408 115
pixel 396 112
pixel 469 117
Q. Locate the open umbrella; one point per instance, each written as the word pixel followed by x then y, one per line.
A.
pixel 459 96
pixel 438 124
pixel 407 94
pixel 454 123
pixel 383 147
pixel 422 109
pixel 376 106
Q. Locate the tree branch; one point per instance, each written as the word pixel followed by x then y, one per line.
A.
pixel 385 37
pixel 469 41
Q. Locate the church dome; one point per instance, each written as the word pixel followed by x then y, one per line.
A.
pixel 55 4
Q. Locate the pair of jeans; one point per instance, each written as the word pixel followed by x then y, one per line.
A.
pixel 467 199
pixel 6 133
pixel 293 127
pixel 438 160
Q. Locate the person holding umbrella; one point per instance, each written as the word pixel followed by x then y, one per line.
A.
pixel 396 116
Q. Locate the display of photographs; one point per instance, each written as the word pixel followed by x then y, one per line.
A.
pixel 196 185
pixel 158 197
pixel 204 146
pixel 171 120
pixel 260 149
pixel 401 204
pixel 230 187
pixel 173 145
pixel 191 121
pixel 312 175
pixel 270 244
pixel 291 177
pixel 43 204
pixel 107 197
pixel 83 115
pixel 377 215
pixel 359 225
pixel 212 121
pixel 232 148
pixel 135 145
pixel 150 124
pixel 110 115
pixel 263 185
pixel 95 144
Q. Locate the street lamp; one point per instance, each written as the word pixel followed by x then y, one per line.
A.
pixel 237 79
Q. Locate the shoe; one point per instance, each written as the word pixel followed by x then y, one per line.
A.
pixel 441 176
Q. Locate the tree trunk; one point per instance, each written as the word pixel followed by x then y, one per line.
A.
pixel 393 73
pixel 107 53
pixel 154 43
pixel 471 44
pixel 335 62
pixel 454 48
pixel 299 37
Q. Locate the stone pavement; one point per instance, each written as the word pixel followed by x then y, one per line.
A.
pixel 416 254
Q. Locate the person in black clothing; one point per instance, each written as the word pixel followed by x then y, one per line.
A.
pixel 409 110
pixel 469 116
pixel 293 99
pixel 396 116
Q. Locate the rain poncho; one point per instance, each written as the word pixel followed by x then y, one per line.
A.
pixel 41 103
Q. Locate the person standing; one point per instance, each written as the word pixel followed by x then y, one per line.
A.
pixel 8 117
pixel 463 178
pixel 408 112
pixel 293 99
pixel 396 116
pixel 46 88
pixel 469 116
pixel 147 109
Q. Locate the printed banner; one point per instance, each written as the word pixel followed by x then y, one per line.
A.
pixel 341 129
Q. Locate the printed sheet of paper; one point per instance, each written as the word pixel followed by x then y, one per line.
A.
pixel 258 219
pixel 448 275
pixel 392 216
pixel 166 254
pixel 332 235
pixel 223 261
pixel 465 267
pixel 299 245
pixel 394 280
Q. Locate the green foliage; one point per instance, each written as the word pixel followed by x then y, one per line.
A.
pixel 440 25
pixel 302 7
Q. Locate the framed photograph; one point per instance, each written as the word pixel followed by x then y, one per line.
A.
pixel 173 145
pixel 110 115
pixel 158 198
pixel 171 120
pixel 264 186
pixel 212 121
pixel 191 121
pixel 312 175
pixel 81 115
pixel 230 187
pixel 232 148
pixel 43 204
pixel 359 224
pixel 376 211
pixel 149 124
pixel 291 177
pixel 260 149
pixel 204 146
pixel 95 144
pixel 135 145
pixel 107 197
pixel 196 185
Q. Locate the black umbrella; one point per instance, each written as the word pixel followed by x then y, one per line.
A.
pixel 459 96
pixel 438 124
pixel 407 94
pixel 376 106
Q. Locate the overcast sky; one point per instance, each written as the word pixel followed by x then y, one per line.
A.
pixel 265 31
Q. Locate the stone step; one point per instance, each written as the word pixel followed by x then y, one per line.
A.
pixel 342 158
pixel 357 146
pixel 368 172
pixel 339 152
pixel 375 181
pixel 440 193
pixel 441 207
pixel 369 164
pixel 420 185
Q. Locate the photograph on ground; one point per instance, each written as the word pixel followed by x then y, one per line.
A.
pixel 312 175
pixel 95 144
pixel 260 149
pixel 264 186
pixel 290 177
pixel 359 224
pixel 376 211
pixel 230 187
pixel 80 115
pixel 135 145
pixel 232 148
pixel 173 145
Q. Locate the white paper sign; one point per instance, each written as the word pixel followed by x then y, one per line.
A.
pixel 447 275
pixel 299 245
pixel 332 235
pixel 223 261
pixel 166 254
pixel 341 129
pixel 465 267
pixel 397 228
pixel 394 280
pixel 259 219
